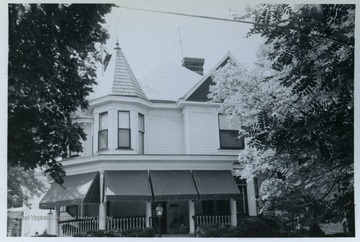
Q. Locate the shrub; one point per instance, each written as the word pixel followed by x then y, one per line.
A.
pixel 257 227
pixel 315 231
pixel 139 232
pixel 98 233
pixel 214 230
pixel 47 235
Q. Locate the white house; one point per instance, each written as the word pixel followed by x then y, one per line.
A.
pixel 166 146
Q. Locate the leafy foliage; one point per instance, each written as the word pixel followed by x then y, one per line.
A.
pixel 51 71
pixel 297 109
pixel 22 185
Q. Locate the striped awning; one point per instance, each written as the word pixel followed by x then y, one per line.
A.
pixel 76 189
pixel 123 186
pixel 216 185
pixel 173 185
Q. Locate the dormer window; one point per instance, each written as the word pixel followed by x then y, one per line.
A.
pixel 103 131
pixel 124 134
pixel 229 135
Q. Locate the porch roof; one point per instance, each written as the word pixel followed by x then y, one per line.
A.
pixel 76 189
pixel 216 185
pixel 173 185
pixel 124 186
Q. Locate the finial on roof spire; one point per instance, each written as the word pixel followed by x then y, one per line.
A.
pixel 117 43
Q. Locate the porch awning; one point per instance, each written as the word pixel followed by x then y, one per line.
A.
pixel 76 189
pixel 124 186
pixel 172 185
pixel 216 185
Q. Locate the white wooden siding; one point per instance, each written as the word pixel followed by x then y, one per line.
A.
pixel 164 133
pixel 87 144
pixel 204 133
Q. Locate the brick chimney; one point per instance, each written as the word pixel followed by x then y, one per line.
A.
pixel 194 64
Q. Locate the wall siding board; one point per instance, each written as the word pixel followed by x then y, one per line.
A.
pixel 203 133
pixel 164 133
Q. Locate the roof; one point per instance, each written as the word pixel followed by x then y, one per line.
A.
pixel 168 82
pixel 118 78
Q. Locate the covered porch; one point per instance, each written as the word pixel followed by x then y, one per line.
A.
pixel 122 200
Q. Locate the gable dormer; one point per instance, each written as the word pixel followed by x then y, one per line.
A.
pixel 199 93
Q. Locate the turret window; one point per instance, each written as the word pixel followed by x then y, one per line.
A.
pixel 103 131
pixel 141 133
pixel 124 137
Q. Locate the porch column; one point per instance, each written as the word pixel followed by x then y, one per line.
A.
pixel 49 222
pixel 233 212
pixel 148 214
pixel 102 206
pixel 250 187
pixel 191 214
pixel 56 221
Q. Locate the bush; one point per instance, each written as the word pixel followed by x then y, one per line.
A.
pixel 247 227
pixel 138 232
pixel 214 230
pixel 47 235
pixel 257 227
pixel 98 233
pixel 315 231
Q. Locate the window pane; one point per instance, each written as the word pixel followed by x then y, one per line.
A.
pixel 124 120
pixel 141 143
pixel 229 139
pixel 224 123
pixel 103 120
pixel 103 139
pixel 141 123
pixel 124 138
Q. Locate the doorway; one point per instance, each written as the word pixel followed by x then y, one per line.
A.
pixel 175 219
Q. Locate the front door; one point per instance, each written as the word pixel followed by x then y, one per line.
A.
pixel 175 219
pixel 178 217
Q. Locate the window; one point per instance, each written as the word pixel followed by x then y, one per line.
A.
pixel 141 133
pixel 229 135
pixel 241 204
pixel 216 207
pixel 124 138
pixel 103 131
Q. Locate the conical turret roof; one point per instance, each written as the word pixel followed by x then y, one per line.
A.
pixel 117 78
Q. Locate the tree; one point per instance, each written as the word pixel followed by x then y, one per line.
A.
pixel 296 107
pixel 51 71
pixel 21 186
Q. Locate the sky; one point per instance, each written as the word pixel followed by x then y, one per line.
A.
pixel 150 39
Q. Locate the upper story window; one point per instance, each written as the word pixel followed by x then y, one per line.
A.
pixel 103 131
pixel 141 133
pixel 229 135
pixel 124 134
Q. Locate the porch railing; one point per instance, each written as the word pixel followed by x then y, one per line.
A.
pixel 69 228
pixel 126 223
pixel 212 219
